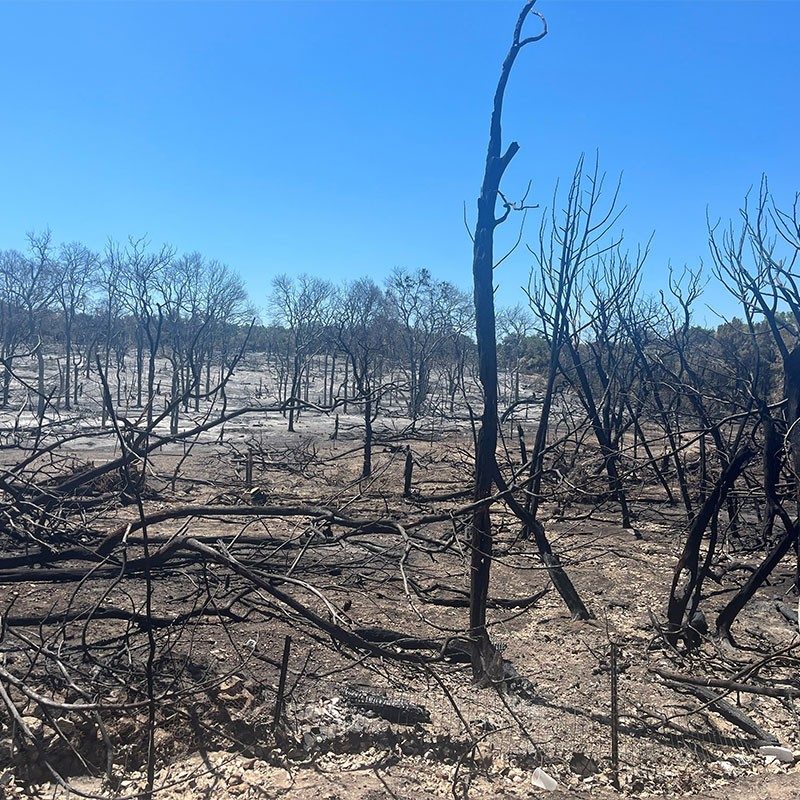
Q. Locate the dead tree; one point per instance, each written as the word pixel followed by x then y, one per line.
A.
pixel 302 306
pixel 140 269
pixel 429 315
pixel 34 290
pixel 579 241
pixel 113 332
pixel 76 268
pixel 689 573
pixel 11 322
pixel 767 287
pixel 362 337
pixel 483 262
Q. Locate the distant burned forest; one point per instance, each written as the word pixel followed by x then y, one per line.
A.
pixel 392 518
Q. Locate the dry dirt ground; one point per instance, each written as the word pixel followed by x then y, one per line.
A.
pixel 479 742
pixel 374 776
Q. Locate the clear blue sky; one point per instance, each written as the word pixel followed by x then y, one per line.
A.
pixel 341 138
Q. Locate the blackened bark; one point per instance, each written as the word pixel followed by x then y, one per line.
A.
pixel 367 466
pixel 408 472
pixel 791 389
pixel 687 572
pixel 482 274
pixel 728 614
pixel 791 537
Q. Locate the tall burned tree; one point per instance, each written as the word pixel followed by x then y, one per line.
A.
pixel 758 265
pixel 577 247
pixel 487 472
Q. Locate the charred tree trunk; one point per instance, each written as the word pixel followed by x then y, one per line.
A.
pixel 345 384
pixel 139 368
pixel 6 383
pixel 67 365
pixel 294 393
pixel 728 614
pixel 366 470
pixel 41 402
pixel 791 388
pixel 482 273
pixel 775 508
pixel 76 386
pixel 687 572
pixel 610 452
pixel 408 472
pixel 174 421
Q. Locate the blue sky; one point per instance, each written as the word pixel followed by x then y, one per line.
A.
pixel 342 138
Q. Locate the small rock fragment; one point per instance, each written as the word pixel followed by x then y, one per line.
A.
pixel 783 754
